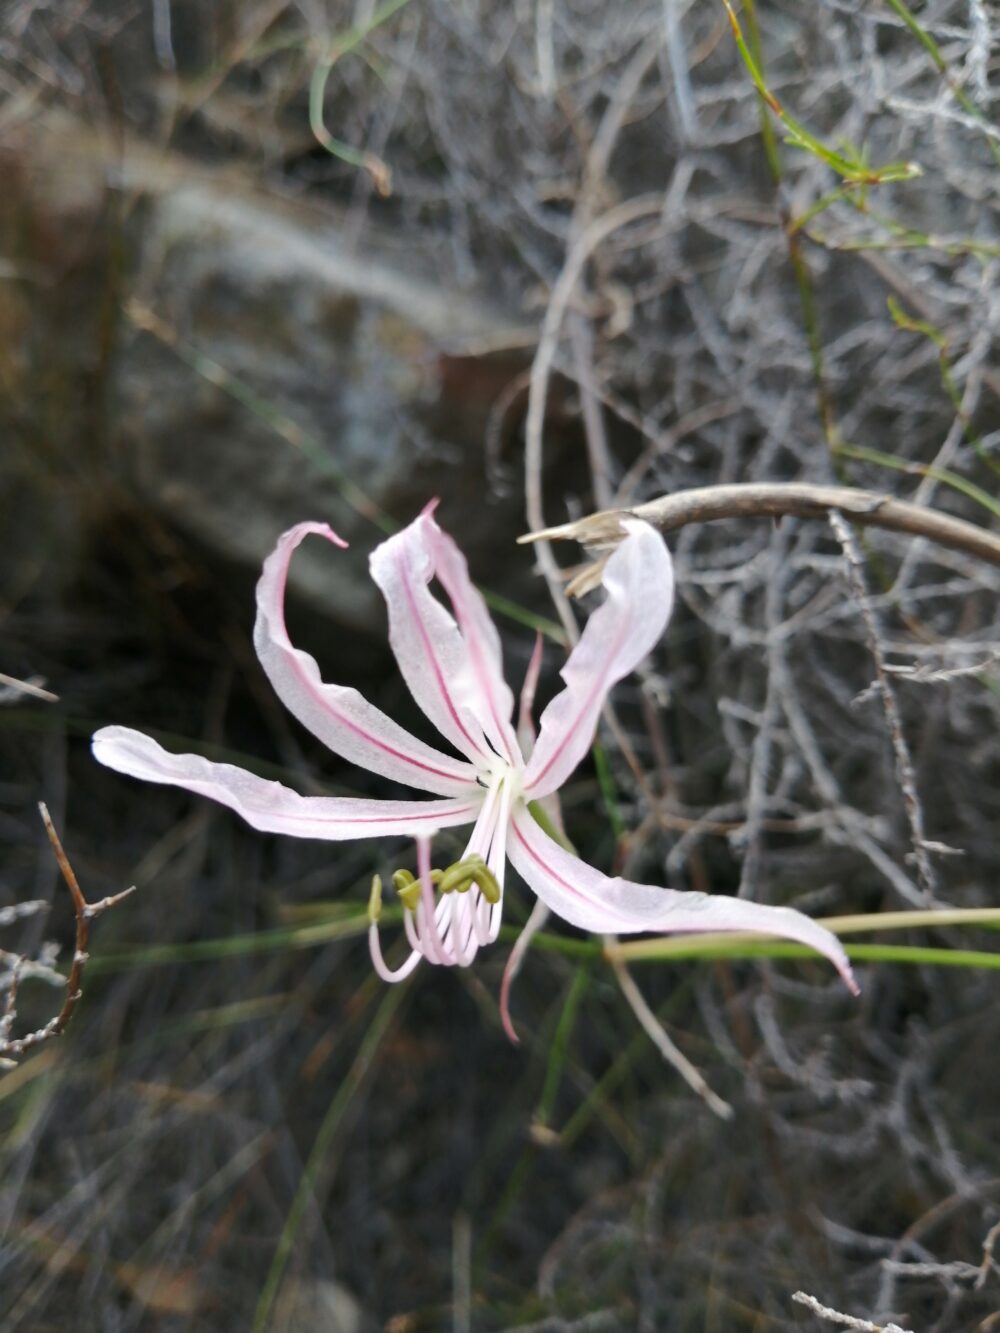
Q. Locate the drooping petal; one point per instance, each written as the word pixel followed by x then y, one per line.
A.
pixel 622 631
pixel 585 898
pixel 447 679
pixel 269 806
pixel 338 715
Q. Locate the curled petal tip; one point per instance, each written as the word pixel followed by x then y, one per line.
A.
pixel 109 745
pixel 294 536
pixel 324 530
pixel 833 950
pixel 505 1019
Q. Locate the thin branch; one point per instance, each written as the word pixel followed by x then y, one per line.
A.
pixel 32 687
pixel 541 369
pixel 989 1264
pixel 844 1320
pixel 11 1050
pixel 706 504
pixel 582 340
pixel 905 774
pixel 930 675
pixel 657 1034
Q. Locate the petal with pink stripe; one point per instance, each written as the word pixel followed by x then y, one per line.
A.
pixel 591 901
pixel 622 631
pixel 482 642
pixel 271 807
pixel 338 715
pixel 434 658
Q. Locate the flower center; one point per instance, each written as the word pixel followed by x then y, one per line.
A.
pixel 459 877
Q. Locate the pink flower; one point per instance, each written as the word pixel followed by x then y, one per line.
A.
pixel 451 662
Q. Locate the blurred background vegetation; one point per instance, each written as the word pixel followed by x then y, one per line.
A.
pixel 270 260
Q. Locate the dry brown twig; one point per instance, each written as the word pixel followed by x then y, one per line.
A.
pixel 11 1049
pixel 707 504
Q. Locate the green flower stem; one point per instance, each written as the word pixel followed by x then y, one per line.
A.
pixel 946 478
pixel 559 1047
pixel 538 814
pixel 337 1112
pixel 745 945
pixel 698 950
pixel 853 168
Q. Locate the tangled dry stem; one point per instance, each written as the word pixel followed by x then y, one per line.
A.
pixel 13 1048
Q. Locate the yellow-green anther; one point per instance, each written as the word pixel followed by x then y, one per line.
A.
pixel 375 900
pixel 459 876
pixel 402 879
pixel 409 894
pixel 488 885
pixel 436 876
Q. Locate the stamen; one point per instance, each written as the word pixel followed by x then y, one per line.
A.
pixel 449 930
pixel 498 860
pixel 458 877
pixel 379 963
pixel 410 896
pixel 463 940
pixel 407 888
pixel 374 945
pixel 375 901
pixel 487 883
pixel 434 947
pixel 410 926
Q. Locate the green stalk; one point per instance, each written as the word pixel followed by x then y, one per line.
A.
pixel 946 478
pixel 332 1121
pixel 560 1045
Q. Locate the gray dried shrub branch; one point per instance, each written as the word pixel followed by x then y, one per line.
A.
pixel 18 968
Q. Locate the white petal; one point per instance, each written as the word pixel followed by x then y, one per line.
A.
pixel 621 632
pixel 481 639
pixel 339 716
pixel 585 898
pixel 453 673
pixel 269 806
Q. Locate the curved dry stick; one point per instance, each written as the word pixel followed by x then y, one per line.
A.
pixel 705 504
pixel 85 912
pixel 541 370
